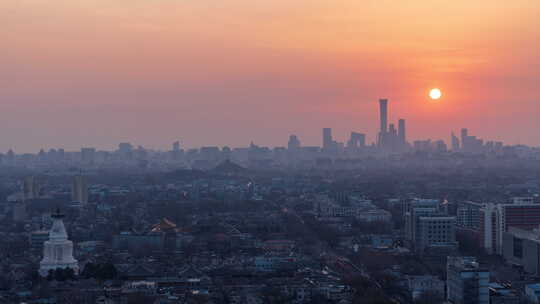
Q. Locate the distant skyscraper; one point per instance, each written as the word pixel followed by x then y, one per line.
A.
pixel 401 131
pixel 10 156
pixel 383 132
pixel 31 187
pixel 357 140
pixel 125 147
pixel 176 153
pixel 464 133
pixel 464 138
pixel 58 250
pixel 79 189
pixel 88 155
pixel 383 104
pixel 327 138
pixel 440 146
pixel 294 143
pixel 455 143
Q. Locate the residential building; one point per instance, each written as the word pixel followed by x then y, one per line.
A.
pixel 434 231
pixel 522 248
pixel 496 218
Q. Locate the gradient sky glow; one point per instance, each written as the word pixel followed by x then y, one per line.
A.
pixel 225 72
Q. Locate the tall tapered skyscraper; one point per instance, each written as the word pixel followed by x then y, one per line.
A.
pixel 383 132
pixel 383 105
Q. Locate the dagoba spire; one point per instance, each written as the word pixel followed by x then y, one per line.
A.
pixel 58 250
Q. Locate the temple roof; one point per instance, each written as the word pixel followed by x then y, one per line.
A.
pixel 164 225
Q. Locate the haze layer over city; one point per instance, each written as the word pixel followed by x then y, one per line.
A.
pixel 261 152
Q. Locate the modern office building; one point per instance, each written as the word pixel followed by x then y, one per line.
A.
pixel 412 221
pixel 434 230
pixel 468 215
pixel 471 144
pixel 522 247
pixel 383 108
pixel 390 139
pixel 466 281
pixel 357 140
pixel 383 117
pixel 328 142
pixel 464 135
pixel 402 132
pixel 455 142
pixel 427 225
pixel 495 219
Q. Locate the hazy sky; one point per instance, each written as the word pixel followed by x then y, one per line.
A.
pixel 226 72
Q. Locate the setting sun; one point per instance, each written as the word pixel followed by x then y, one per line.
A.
pixel 435 93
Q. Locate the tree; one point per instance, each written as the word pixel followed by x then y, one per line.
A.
pixel 50 275
pixel 60 274
pixel 69 274
pixel 107 271
pixel 89 270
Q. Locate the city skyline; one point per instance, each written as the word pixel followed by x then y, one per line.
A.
pixel 262 70
pixel 390 137
pixel 270 151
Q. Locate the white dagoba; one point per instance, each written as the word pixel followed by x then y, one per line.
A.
pixel 58 250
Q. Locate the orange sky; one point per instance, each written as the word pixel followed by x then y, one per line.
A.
pixel 209 72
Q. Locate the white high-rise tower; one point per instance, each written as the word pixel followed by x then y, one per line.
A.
pixel 58 250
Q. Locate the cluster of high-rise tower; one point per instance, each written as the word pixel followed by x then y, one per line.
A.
pixel 389 138
pixel 392 139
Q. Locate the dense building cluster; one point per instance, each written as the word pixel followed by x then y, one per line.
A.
pixel 412 228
